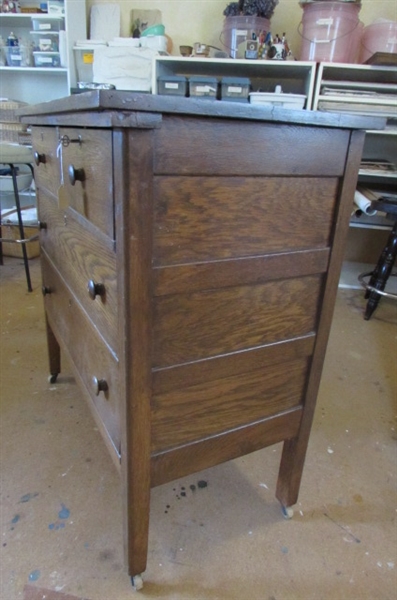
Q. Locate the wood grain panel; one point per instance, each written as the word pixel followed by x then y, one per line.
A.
pixel 80 256
pixel 193 326
pixel 89 354
pixel 196 456
pixel 212 218
pixel 212 407
pixel 218 367
pixel 194 277
pixel 186 145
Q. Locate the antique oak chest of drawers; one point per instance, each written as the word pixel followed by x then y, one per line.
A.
pixel 190 258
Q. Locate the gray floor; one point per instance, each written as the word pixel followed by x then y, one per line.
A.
pixel 61 509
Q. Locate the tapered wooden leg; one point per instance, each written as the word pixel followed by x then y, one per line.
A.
pixel 135 150
pixel 290 473
pixel 54 353
pixel 138 533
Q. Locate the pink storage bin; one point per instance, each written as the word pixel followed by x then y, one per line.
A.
pixel 237 30
pixel 330 31
pixel 380 36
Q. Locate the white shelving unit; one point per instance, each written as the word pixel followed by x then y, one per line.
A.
pixel 37 84
pixel 293 76
pixel 40 84
pixel 364 89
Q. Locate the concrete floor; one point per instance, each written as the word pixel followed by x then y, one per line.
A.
pixel 61 510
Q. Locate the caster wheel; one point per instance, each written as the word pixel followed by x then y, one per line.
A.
pixel 53 377
pixel 287 511
pixel 137 582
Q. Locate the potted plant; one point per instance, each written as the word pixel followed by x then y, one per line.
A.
pixel 251 8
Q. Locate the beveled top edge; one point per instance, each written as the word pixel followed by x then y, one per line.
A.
pixel 105 100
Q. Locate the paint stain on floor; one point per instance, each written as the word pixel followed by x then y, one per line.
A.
pixel 182 491
pixel 34 593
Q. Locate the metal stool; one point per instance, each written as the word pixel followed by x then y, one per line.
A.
pixel 378 277
pixel 12 155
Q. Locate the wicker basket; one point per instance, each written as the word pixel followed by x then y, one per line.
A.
pixel 8 109
pixel 12 232
pixel 9 132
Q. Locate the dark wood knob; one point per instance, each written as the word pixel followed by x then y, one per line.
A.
pixel 45 290
pixel 100 385
pixel 42 225
pixel 95 289
pixel 39 158
pixel 75 174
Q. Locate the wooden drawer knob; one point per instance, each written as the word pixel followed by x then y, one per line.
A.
pixel 99 385
pixel 42 225
pixel 39 158
pixel 45 290
pixel 75 174
pixel 95 289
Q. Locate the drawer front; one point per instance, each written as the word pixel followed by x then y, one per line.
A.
pixel 84 260
pixel 75 165
pixel 95 365
pixel 48 170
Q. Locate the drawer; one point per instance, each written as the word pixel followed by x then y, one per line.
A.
pixel 47 170
pixel 75 165
pixel 94 364
pixel 85 258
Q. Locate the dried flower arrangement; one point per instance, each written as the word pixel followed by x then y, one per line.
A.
pixel 256 8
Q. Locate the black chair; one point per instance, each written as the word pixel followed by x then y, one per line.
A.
pixel 375 286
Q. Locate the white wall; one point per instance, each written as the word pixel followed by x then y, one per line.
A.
pixel 189 21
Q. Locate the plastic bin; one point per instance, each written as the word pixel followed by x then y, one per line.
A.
pixel 203 87
pixel 172 85
pixel 47 59
pixel 56 7
pixel 380 36
pixel 45 41
pixel 329 31
pixel 270 99
pixel 84 56
pixel 46 23
pixel 18 56
pixel 235 89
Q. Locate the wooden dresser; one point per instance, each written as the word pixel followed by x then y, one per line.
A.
pixel 190 255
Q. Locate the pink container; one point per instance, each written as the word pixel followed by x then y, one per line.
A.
pixel 330 31
pixel 380 36
pixel 237 30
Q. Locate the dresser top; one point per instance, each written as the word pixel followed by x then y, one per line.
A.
pixel 105 103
